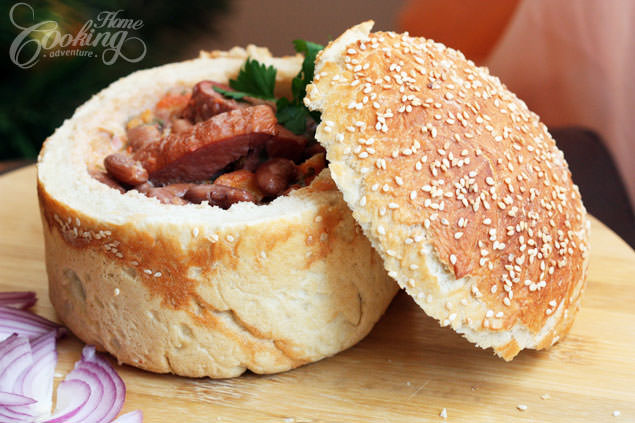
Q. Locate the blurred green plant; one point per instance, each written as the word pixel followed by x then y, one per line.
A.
pixel 35 101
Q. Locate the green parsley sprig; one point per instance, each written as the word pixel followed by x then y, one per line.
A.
pixel 258 80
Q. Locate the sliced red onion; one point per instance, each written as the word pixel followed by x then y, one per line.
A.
pixel 18 299
pixel 25 323
pixel 132 417
pixel 8 399
pixel 9 416
pixel 93 392
pixel 15 358
pixel 114 392
pixel 37 381
pixel 72 396
pixel 107 391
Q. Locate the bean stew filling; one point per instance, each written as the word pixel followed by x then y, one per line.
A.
pixel 201 146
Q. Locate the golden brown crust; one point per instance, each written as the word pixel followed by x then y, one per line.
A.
pixel 438 160
pixel 193 289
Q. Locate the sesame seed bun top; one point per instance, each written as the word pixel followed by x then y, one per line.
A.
pixel 460 188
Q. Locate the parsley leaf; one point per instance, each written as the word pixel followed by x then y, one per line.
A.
pixel 305 76
pixel 293 114
pixel 236 95
pixel 255 79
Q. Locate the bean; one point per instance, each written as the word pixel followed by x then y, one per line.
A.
pixel 107 180
pixel 164 195
pixel 140 135
pixel 218 195
pixel 124 169
pixel 275 175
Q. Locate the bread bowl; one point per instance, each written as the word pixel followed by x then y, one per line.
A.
pixel 459 187
pixel 191 289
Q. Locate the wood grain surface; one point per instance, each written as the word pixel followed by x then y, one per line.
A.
pixel 407 370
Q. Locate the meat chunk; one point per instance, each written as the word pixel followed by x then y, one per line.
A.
pixel 205 102
pixel 243 179
pixel 197 154
pixel 275 175
pixel 124 169
pixel 286 145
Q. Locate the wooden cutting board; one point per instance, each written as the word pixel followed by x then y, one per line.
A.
pixel 407 370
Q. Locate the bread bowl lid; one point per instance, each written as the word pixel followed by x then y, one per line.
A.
pixel 458 186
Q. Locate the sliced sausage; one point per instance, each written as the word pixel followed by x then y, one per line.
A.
pixel 275 175
pixel 124 169
pixel 181 125
pixel 205 102
pixel 140 135
pixel 286 145
pixel 199 153
pixel 217 195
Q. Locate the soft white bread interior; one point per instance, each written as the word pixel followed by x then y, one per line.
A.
pixel 193 289
pixel 459 187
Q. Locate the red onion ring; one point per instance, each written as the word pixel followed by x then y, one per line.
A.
pixel 132 417
pixel 37 381
pixel 118 387
pixel 72 395
pixel 20 300
pixel 15 358
pixel 25 323
pixel 7 398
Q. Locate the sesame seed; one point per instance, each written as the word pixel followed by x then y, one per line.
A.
pixel 157 274
pixel 444 414
pixel 458 235
pixel 452 259
pixel 381 230
pixel 521 407
pixel 616 413
pixel 117 291
pixel 147 271
pixel 398 180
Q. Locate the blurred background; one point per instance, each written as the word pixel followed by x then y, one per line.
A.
pixel 572 62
